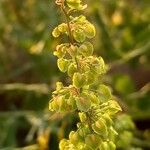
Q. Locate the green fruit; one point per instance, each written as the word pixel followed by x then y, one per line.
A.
pixel 79 80
pixel 114 107
pixel 54 105
pixel 83 104
pixel 79 35
pixel 100 127
pixel 99 66
pixel 90 77
pixel 63 64
pixel 73 137
pixel 93 141
pixel 72 69
pixel 59 86
pixel 60 51
pixel 86 49
pixel 56 32
pixel 82 117
pixel 94 99
pixel 112 146
pixel 104 146
pixel 104 92
pixel 107 119
pixel 89 29
pixel 63 27
pixel 74 4
pixel 72 50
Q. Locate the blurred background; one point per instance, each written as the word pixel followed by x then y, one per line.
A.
pixel 28 70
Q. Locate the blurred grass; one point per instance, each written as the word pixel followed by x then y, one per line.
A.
pixel 28 70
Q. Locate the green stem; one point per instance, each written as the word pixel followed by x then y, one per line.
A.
pixel 69 30
pixel 68 24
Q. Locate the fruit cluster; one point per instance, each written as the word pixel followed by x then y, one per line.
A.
pixel 86 95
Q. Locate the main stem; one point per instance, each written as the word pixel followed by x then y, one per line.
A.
pixel 68 24
pixel 69 30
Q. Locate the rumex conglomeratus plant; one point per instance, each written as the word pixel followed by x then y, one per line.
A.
pixel 86 95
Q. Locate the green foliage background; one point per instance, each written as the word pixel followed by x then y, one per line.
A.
pixel 28 70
